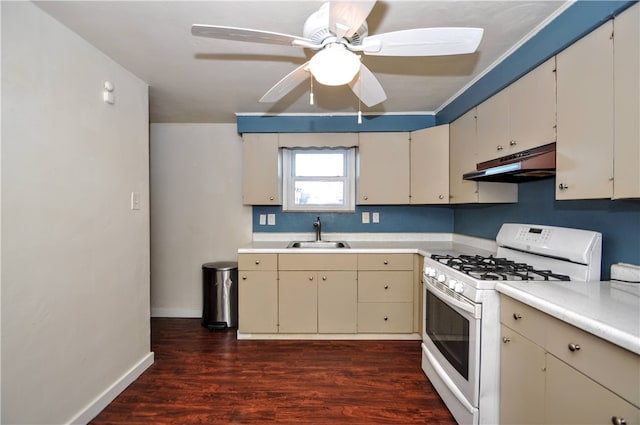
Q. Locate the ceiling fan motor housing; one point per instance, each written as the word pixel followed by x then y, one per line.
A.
pixel 316 28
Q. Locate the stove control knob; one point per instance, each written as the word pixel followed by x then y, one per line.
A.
pixel 428 271
pixel 459 288
pixel 452 283
pixel 442 278
pixel 432 272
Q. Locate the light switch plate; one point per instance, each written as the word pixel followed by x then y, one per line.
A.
pixel 263 219
pixel 365 217
pixel 135 200
pixel 375 217
pixel 271 219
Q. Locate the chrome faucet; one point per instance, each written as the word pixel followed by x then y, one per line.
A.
pixel 318 227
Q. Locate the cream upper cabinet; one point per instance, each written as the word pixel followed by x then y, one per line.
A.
pixel 463 158
pixel 383 174
pixel 584 155
pixel 261 169
pixel 521 116
pixel 626 44
pixel 430 165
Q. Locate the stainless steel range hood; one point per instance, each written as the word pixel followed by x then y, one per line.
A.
pixel 532 164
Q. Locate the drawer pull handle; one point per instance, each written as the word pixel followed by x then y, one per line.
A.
pixel 573 347
pixel 517 316
pixel 618 421
pixel 386 286
pixel 257 261
pixel 506 339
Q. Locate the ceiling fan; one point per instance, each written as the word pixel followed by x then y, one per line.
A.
pixel 338 30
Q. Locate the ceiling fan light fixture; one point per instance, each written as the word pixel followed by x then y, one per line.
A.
pixel 334 65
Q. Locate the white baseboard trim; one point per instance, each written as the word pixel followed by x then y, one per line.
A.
pixel 99 403
pixel 176 312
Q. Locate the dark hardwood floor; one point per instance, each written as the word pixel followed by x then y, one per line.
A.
pixel 202 377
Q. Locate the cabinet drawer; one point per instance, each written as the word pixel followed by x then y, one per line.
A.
pixel 257 261
pixel 613 367
pixel 385 261
pixel 385 317
pixel 381 286
pixel 318 261
pixel 523 319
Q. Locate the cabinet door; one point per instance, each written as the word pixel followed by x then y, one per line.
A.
pixel 462 158
pixel 522 365
pixel 493 126
pixel 258 301
pixel 584 155
pixel 626 42
pixel 261 175
pixel 337 302
pixel 532 110
pixel 383 176
pixel 430 165
pixel 297 302
pixel 573 398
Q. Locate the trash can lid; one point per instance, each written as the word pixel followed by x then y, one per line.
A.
pixel 221 265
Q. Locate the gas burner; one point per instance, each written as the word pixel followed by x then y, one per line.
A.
pixel 495 268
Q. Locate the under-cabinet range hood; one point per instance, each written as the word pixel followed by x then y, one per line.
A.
pixel 532 164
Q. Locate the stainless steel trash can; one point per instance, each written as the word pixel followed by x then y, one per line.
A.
pixel 220 295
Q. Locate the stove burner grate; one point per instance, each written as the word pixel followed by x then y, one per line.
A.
pixel 496 268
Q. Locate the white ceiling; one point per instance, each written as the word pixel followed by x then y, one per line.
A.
pixel 195 79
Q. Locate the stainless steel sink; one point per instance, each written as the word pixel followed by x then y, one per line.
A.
pixel 317 244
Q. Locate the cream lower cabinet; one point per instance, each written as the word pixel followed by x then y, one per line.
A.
pixel 554 373
pixel 258 293
pixel 317 293
pixel 385 293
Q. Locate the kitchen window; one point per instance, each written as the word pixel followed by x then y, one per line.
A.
pixel 319 179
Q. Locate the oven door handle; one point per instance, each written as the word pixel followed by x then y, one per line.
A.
pixel 467 306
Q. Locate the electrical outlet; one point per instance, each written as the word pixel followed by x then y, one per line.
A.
pixel 271 219
pixel 135 200
pixel 263 219
pixel 376 217
pixel 365 217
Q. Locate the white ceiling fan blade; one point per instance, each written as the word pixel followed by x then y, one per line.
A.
pixel 250 35
pixel 345 17
pixel 367 87
pixel 288 83
pixel 424 42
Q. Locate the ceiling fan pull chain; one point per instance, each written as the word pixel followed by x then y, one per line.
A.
pixel 311 93
pixel 359 101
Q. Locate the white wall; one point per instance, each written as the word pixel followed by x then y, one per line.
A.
pixel 197 214
pixel 75 257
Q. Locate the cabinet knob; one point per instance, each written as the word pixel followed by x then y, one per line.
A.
pixel 386 318
pixel 506 339
pixel 244 277
pixel 271 198
pixel 517 316
pixel 365 197
pixel 324 278
pixel 386 286
pixel 441 197
pixel 574 347
pixel 499 148
pixel 563 186
pixel 386 262
pixel 512 143
pixel 257 261
pixel 310 277
pixel 618 421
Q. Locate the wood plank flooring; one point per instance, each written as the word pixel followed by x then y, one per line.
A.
pixel 202 377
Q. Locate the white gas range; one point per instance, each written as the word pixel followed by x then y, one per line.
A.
pixel 461 329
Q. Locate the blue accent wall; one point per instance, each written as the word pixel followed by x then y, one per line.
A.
pixel 393 219
pixel 618 221
pixel 332 124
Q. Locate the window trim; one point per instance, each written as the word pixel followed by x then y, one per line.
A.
pixel 289 180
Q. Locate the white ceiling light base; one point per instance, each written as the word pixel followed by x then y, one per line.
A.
pixel 334 65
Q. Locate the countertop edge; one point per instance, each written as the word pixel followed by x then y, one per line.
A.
pixel 602 330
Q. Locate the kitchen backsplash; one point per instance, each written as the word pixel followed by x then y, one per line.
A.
pixel 618 221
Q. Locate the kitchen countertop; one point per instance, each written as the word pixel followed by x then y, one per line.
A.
pixel 607 309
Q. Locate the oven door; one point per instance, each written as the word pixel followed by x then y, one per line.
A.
pixel 451 345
